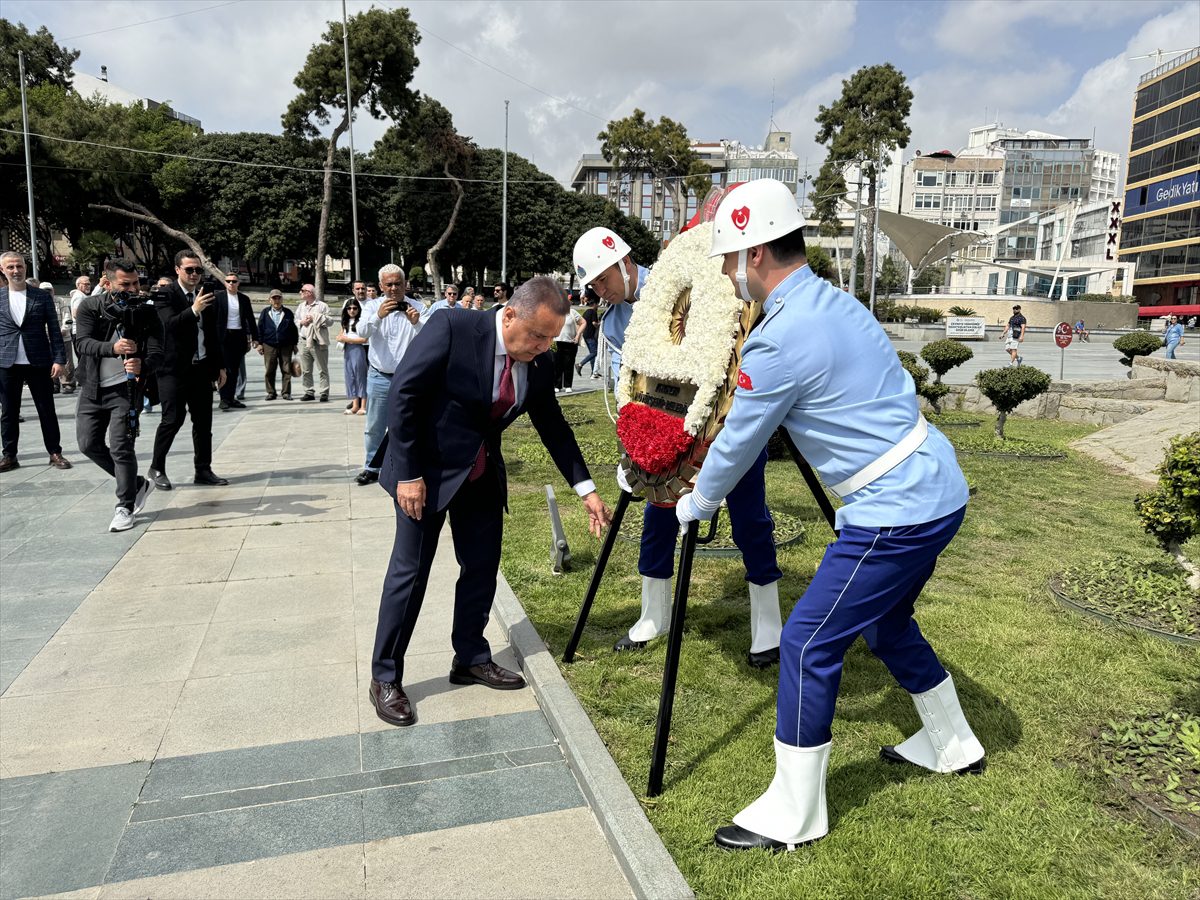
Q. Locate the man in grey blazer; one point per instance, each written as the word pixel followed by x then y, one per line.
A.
pixel 31 352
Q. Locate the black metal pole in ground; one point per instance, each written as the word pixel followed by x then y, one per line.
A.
pixel 666 702
pixel 810 478
pixel 601 564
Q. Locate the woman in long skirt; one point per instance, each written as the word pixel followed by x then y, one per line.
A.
pixel 355 362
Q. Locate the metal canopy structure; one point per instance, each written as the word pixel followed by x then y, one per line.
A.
pixel 924 243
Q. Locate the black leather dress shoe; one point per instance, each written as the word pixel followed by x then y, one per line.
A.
pixel 488 674
pixel 160 479
pixel 8 463
pixel 628 643
pixel 224 406
pixel 366 477
pixel 763 660
pixel 391 703
pixel 735 837
pixel 237 404
pixel 208 476
pixel 889 754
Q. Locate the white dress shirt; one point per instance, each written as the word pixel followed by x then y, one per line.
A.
pixel 233 321
pixel 17 301
pixel 387 338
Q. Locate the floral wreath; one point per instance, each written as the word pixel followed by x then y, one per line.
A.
pixel 679 366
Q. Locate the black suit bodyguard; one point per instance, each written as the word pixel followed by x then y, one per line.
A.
pixel 192 363
pixel 465 378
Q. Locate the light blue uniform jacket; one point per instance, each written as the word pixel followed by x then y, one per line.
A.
pixel 616 320
pixel 820 365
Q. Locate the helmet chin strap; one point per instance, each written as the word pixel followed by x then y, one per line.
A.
pixel 623 269
pixel 742 282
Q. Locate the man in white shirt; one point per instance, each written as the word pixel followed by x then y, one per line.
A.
pixel 312 318
pixel 31 353
pixel 389 324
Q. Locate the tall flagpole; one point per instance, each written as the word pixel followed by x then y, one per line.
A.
pixel 504 206
pixel 33 249
pixel 350 122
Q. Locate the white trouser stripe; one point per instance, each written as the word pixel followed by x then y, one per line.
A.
pixel 800 687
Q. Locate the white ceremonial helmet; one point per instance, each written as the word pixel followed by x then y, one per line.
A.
pixel 596 250
pixel 754 213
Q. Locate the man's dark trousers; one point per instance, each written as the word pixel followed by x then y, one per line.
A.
pixel 192 395
pixel 235 355
pixel 116 456
pixel 476 525
pixel 12 380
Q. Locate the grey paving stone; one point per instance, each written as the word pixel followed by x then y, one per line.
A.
pixel 231 770
pixel 214 839
pixel 533 755
pixel 35 615
pixel 67 826
pixel 451 740
pixel 486 797
pixel 15 656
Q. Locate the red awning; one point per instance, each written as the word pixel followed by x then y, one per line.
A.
pixel 1155 312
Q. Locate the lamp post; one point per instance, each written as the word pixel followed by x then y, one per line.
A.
pixel 350 131
pixel 504 206
pixel 33 248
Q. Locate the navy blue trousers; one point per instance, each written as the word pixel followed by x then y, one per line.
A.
pixel 867 584
pixel 476 526
pixel 749 520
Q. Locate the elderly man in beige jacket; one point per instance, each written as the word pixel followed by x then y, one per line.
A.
pixel 312 319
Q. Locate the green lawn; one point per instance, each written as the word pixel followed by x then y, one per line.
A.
pixel 1034 680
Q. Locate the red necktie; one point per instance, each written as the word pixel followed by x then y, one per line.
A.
pixel 503 403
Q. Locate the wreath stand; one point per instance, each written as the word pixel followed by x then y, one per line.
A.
pixel 683 577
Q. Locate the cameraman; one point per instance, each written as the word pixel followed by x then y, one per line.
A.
pixel 389 324
pixel 117 335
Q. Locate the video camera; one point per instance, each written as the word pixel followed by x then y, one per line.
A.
pixel 122 307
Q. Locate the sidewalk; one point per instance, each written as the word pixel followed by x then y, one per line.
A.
pixel 184 706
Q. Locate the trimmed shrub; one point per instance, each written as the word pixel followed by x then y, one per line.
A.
pixel 1136 343
pixel 944 355
pixel 1009 387
pixel 1104 298
pixel 920 376
pixel 1171 512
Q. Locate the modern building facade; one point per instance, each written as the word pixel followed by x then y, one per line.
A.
pixel 1161 231
pixel 647 198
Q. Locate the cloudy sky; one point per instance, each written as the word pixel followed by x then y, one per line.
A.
pixel 719 67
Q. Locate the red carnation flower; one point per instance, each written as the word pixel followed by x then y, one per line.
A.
pixel 654 440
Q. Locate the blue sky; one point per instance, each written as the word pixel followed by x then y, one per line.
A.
pixel 1058 66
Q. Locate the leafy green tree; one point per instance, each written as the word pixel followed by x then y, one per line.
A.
pixel 382 59
pixel 91 251
pixel 944 355
pixel 45 61
pixel 1171 512
pixel 891 277
pixel 636 144
pixel 1009 387
pixel 868 119
pixel 829 189
pixel 933 392
pixel 819 261
pixel 929 277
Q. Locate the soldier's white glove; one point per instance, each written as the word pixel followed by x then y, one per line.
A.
pixel 694 507
pixel 622 481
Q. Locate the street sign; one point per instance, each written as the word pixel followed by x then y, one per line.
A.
pixel 1063 334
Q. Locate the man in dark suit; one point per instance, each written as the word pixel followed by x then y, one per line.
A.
pixel 465 379
pixel 31 352
pixel 235 320
pixel 192 362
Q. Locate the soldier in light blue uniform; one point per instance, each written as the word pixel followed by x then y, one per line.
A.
pixel 821 366
pixel 602 260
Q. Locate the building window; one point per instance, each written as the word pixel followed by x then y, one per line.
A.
pixel 927 201
pixel 929 179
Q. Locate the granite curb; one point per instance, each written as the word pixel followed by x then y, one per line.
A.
pixel 649 868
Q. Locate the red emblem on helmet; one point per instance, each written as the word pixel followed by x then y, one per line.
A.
pixel 609 243
pixel 741 218
pixel 744 381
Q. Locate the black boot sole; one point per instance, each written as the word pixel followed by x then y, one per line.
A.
pixel 889 754
pixel 763 660
pixel 734 837
pixel 627 643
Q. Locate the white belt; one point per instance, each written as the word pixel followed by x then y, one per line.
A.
pixel 888 461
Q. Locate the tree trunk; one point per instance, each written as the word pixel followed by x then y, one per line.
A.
pixel 432 273
pixel 326 201
pixel 678 191
pixel 139 213
pixel 1000 425
pixel 1187 565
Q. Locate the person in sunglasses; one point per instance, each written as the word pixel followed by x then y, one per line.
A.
pixel 193 363
pixel 235 319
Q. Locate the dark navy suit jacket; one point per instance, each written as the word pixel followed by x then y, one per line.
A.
pixel 440 407
pixel 180 336
pixel 40 330
pixel 245 312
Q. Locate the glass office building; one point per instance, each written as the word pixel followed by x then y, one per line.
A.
pixel 1160 232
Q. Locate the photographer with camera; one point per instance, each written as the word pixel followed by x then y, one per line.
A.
pixel 118 338
pixel 389 324
pixel 192 365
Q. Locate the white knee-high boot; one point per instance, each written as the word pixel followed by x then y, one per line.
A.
pixel 766 626
pixel 656 610
pixel 945 742
pixel 792 811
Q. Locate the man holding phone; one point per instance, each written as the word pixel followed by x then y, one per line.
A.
pixel 389 324
pixel 191 369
